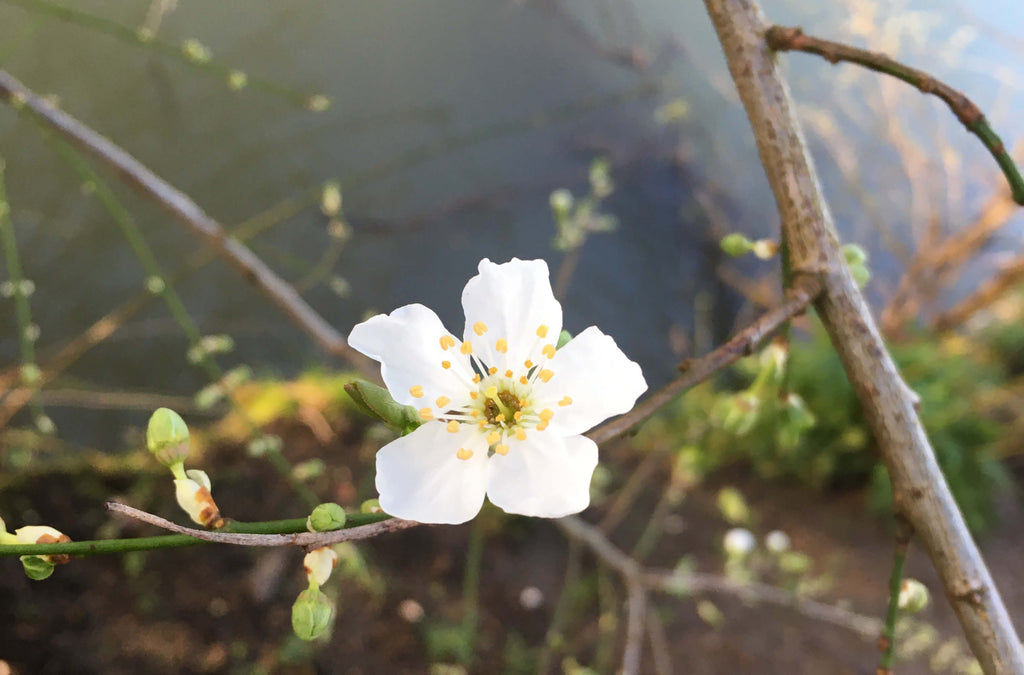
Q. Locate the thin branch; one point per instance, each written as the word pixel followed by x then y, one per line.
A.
pixel 309 540
pixel 887 641
pixel 659 643
pixel 920 492
pixel 636 613
pixel 799 296
pixel 1006 278
pixel 132 172
pixel 782 38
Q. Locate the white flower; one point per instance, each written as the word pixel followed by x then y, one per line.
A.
pixel 503 411
pixel 319 564
pixel 193 495
pixel 777 541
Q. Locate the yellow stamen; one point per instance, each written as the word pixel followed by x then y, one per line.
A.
pixel 447 341
pixel 523 380
pixel 546 414
pixel 426 414
pixel 501 345
pixel 528 363
pixel 474 395
pixel 517 415
pixel 542 426
pixel 417 391
pixel 500 417
pixel 476 378
pixel 545 375
pixel 474 412
pixel 508 373
pixel 548 351
pixel 565 401
pixel 453 427
pixel 446 364
pixel 520 434
pixel 493 438
pixel 464 453
pixel 492 370
pixel 467 347
pixel 542 331
pixel 482 423
pixel 479 327
pixel 442 401
pixel 501 449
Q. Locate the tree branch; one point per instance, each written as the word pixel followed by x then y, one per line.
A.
pixel 133 173
pixel 920 492
pixel 782 38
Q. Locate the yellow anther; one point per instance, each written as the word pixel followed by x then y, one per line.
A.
pixel 453 427
pixel 482 423
pixel 493 438
pixel 463 453
pixel 476 379
pixel 491 391
pixel 442 401
pixel 508 373
pixel 517 415
pixel 492 370
pixel 523 380
pixel 520 434
pixel 474 412
pixel 565 401
pixel 426 414
pixel 501 449
pixel 417 391
pixel 500 417
pixel 479 327
pixel 542 426
pixel 546 414
pixel 528 363
pixel 446 364
pixel 501 345
pixel 474 395
pixel 545 375
pixel 548 351
pixel 447 341
pixel 542 331
pixel 467 347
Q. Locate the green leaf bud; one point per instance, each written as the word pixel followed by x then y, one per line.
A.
pixel 370 506
pixel 36 568
pixel 326 518
pixel 855 254
pixel 561 203
pixel 237 80
pixel 167 437
pixel 377 403
pixel 311 614
pixel 736 244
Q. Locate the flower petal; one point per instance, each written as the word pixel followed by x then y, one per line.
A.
pixel 593 380
pixel 513 301
pixel 544 476
pixel 408 344
pixel 420 476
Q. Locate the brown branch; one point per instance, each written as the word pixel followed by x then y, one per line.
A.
pixel 920 492
pixel 799 296
pixel 1006 278
pixel 309 540
pixel 782 38
pixel 133 173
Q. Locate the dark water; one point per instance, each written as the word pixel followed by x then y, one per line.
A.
pixel 452 121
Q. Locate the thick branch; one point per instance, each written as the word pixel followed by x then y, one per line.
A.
pixel 132 172
pixel 920 491
pixel 781 38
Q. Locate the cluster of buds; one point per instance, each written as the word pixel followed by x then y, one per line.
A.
pixel 311 613
pixel 167 438
pixel 37 567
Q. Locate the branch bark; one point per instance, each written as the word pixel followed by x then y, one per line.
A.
pixel 920 492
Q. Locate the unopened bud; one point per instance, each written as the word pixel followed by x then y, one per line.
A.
pixel 36 567
pixel 326 518
pixel 237 80
pixel 330 199
pixel 765 249
pixel 43 534
pixel 736 244
pixel 370 506
pixel 311 614
pixel 167 437
pixel 561 202
pixel 777 541
pixel 319 564
pixel 913 596
pixel 377 403
pixel 739 542
pixel 193 495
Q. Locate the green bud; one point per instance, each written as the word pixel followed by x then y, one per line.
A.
pixel 561 203
pixel 325 518
pixel 330 199
pixel 237 80
pixel 913 596
pixel 318 103
pixel 854 254
pixel 195 51
pixel 861 275
pixel 311 614
pixel 36 568
pixel 377 403
pixel 370 506
pixel 563 339
pixel 167 437
pixel 733 506
pixel 736 244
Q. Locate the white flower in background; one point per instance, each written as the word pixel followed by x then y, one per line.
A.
pixel 739 542
pixel 503 411
pixel 777 541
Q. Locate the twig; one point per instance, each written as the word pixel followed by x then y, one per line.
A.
pixel 659 643
pixel 179 205
pixel 799 296
pixel 1006 278
pixel 636 613
pixel 782 38
pixel 920 491
pixel 887 641
pixel 309 540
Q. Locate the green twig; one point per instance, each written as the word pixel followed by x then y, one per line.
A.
pixel 782 38
pixel 471 588
pixel 553 638
pixel 887 641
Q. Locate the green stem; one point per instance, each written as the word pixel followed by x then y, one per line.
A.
pixel 141 39
pixel 554 638
pixel 86 548
pixel 471 586
pixel 888 641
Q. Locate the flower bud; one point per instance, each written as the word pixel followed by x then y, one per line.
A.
pixel 561 202
pixel 311 614
pixel 739 542
pixel 326 518
pixel 330 199
pixel 193 495
pixel 167 437
pixel 913 596
pixel 765 249
pixel 36 567
pixel 43 534
pixel 377 403
pixel 370 506
pixel 736 244
pixel 319 564
pixel 777 541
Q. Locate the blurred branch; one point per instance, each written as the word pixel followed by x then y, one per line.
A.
pixel 135 174
pixel 799 296
pixel 887 642
pixel 782 38
pixel 920 492
pixel 984 295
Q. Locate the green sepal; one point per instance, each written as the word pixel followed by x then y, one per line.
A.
pixel 311 614
pixel 563 339
pixel 377 402
pixel 36 568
